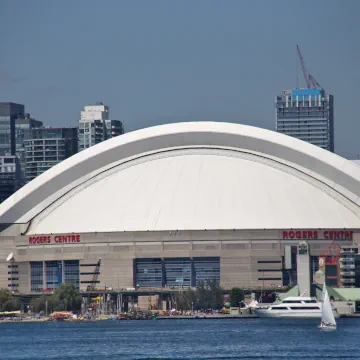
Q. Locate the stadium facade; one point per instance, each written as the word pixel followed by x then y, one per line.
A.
pixel 173 205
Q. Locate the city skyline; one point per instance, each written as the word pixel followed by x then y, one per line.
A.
pixel 171 62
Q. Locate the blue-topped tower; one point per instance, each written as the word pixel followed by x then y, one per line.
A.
pixel 307 114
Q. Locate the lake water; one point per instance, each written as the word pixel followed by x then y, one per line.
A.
pixel 180 339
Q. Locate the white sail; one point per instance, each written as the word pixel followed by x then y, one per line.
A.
pixel 327 315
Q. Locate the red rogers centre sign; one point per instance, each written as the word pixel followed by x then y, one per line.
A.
pixel 318 234
pixel 54 239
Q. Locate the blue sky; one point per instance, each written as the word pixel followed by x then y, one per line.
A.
pixel 156 62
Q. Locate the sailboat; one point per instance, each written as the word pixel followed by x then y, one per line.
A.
pixel 327 315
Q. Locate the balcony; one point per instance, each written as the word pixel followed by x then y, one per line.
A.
pixel 347 259
pixel 347 281
pixel 347 251
pixel 347 273
pixel 347 266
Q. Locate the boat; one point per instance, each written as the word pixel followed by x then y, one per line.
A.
pixel 327 317
pixel 293 307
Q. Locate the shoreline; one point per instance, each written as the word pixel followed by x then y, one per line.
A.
pixel 160 318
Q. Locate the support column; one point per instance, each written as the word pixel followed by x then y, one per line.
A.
pixel 44 275
pixel 303 268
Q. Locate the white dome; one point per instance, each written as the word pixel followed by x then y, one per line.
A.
pixel 191 176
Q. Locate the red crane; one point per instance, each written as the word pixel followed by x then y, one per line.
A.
pixel 311 82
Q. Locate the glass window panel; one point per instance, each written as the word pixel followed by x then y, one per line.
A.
pixel 71 272
pixel 36 276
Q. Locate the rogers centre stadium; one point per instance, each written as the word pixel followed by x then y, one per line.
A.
pixel 172 205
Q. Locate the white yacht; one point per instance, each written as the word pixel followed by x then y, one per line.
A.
pixel 293 306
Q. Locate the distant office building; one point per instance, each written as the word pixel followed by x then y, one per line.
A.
pixel 113 128
pixel 308 115
pixel 95 126
pixel 9 112
pixel 23 131
pixel 349 266
pixel 15 126
pixel 9 176
pixel 46 148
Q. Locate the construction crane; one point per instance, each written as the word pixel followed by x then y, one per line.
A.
pixel 311 82
pixel 93 283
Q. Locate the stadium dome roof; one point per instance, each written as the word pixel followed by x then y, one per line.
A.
pixel 191 176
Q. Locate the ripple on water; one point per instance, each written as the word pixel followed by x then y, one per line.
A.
pixel 180 339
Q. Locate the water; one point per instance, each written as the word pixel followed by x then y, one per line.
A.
pixel 180 339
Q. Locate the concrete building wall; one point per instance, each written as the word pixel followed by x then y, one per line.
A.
pixel 7 247
pixel 248 259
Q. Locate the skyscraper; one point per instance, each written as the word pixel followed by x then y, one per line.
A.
pixel 9 112
pixel 9 176
pixel 113 128
pixel 15 126
pixel 308 115
pixel 48 147
pixel 95 126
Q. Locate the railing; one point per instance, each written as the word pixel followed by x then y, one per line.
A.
pixel 347 266
pixel 347 251
pixel 347 273
pixel 345 259
pixel 347 281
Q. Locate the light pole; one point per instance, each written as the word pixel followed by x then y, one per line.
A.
pixel 192 307
pixel 46 307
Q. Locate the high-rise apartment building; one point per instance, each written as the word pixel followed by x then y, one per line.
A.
pixel 46 148
pixel 308 115
pixel 23 131
pixel 9 112
pixel 15 126
pixel 113 128
pixel 95 126
pixel 349 266
pixel 9 176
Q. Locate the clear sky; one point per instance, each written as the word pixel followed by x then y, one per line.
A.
pixel 156 62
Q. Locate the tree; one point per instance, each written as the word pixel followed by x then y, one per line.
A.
pixel 208 295
pixel 236 296
pixel 4 296
pixel 12 304
pixel 185 300
pixel 66 298
pixel 8 302
pixel 69 296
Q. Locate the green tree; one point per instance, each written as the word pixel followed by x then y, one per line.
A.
pixel 39 304
pixel 236 296
pixel 12 304
pixel 4 297
pixel 8 302
pixel 69 296
pixel 185 300
pixel 209 295
pixel 66 297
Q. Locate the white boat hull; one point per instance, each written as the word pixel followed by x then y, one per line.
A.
pixel 327 327
pixel 290 314
pixel 294 307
